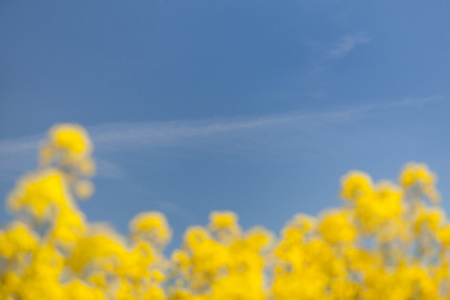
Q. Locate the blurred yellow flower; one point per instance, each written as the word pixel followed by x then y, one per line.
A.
pixel 335 227
pixel 70 137
pixel 355 184
pixel 386 242
pixel 151 225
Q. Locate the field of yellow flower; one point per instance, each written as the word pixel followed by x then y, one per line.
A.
pixel 387 241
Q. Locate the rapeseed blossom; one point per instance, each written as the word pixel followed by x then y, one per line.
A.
pixel 387 241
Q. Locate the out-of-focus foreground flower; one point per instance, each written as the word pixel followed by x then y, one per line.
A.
pixel 387 241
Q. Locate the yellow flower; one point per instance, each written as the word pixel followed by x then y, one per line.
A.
pixel 225 220
pixel 388 200
pixel 69 225
pixel 303 223
pixel 196 236
pixel 414 173
pixel 419 176
pixel 258 237
pixel 385 243
pixel 36 192
pixel 355 184
pixel 384 204
pixel 180 259
pixel 70 137
pixel 151 225
pixel 444 235
pixel 428 219
pixel 101 245
pixel 86 167
pixel 77 290
pixel 17 239
pixel 84 189
pixel 335 227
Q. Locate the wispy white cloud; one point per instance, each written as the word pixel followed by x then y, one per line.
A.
pixel 216 134
pixel 23 144
pixel 108 169
pixel 18 155
pixel 156 134
pixel 170 133
pixel 325 51
pixel 347 44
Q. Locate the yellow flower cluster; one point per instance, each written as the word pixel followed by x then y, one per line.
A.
pixel 387 241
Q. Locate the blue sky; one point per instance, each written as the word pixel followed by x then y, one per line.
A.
pixel 253 106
